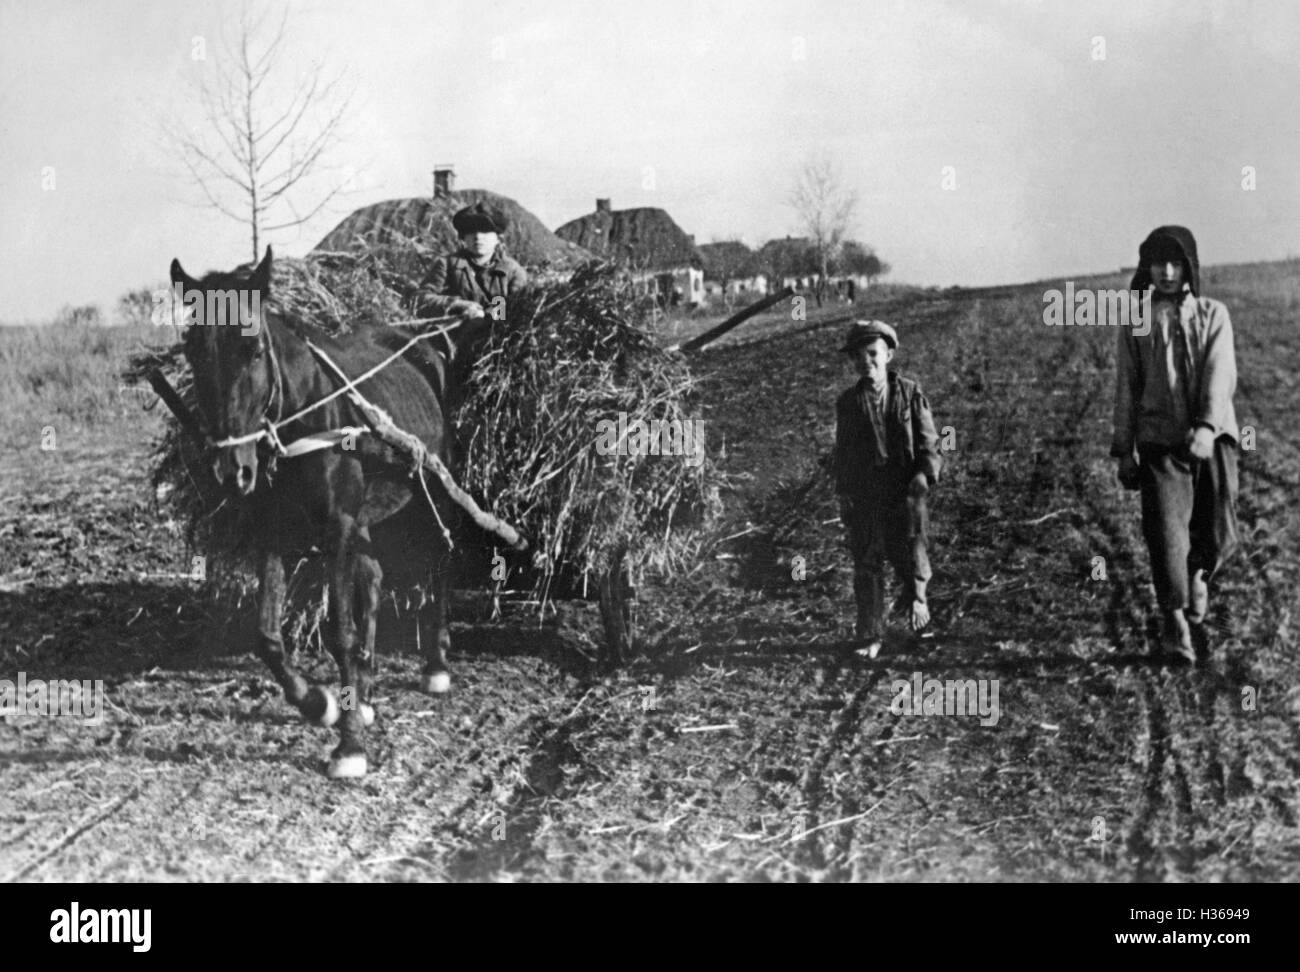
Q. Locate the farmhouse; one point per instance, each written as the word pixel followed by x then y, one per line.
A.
pixel 428 220
pixel 647 243
pixel 731 271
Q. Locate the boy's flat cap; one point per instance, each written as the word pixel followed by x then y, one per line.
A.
pixel 860 332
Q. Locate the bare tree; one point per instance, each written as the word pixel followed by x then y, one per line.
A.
pixel 260 141
pixel 825 207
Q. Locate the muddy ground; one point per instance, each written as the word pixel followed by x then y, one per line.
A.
pixel 748 748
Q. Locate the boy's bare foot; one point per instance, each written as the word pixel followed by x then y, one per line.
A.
pixel 1176 638
pixel 1200 599
pixel 870 649
pixel 920 616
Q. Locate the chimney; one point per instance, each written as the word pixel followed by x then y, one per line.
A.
pixel 602 205
pixel 444 180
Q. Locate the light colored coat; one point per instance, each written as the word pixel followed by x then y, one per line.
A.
pixel 1143 414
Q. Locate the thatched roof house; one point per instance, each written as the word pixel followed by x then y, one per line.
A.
pixel 645 240
pixel 428 219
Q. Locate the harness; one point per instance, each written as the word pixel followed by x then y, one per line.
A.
pixel 328 439
pixel 315 441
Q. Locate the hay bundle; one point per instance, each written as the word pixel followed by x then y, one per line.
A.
pixel 339 295
pixel 569 364
pixel 568 356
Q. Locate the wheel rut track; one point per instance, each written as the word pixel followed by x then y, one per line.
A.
pixel 490 852
pixel 483 761
pixel 1128 632
pixel 1279 597
pixel 72 835
pixel 812 849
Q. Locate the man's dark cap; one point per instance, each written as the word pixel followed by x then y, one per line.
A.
pixel 479 218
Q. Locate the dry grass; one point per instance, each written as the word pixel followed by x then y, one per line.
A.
pixel 51 375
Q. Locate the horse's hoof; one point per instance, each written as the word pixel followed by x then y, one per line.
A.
pixel 349 767
pixel 436 683
pixel 367 714
pixel 320 708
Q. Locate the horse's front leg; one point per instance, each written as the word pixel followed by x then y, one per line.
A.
pixel 435 635
pixel 369 578
pixel 349 758
pixel 312 702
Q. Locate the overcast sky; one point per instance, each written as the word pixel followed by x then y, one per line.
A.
pixel 1061 160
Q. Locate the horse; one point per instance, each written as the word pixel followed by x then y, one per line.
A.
pixel 252 373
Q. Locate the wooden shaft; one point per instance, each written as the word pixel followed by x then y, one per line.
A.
pixel 735 320
pixel 189 421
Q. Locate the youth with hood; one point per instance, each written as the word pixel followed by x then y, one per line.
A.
pixel 1175 430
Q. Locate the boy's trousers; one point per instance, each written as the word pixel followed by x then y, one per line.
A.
pixel 1189 515
pixel 893 527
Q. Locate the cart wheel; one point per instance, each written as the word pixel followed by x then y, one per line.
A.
pixel 618 611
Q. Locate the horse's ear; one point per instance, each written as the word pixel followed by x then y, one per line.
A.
pixel 262 275
pixel 178 273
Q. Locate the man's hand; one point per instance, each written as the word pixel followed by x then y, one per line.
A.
pixel 918 487
pixel 1200 442
pixel 1128 472
pixel 466 308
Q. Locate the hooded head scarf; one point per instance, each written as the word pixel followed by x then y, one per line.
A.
pixel 1180 238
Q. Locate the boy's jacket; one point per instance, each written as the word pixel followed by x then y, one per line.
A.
pixel 1141 413
pixel 454 278
pixel 912 440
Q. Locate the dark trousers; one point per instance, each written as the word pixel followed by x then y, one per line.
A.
pixel 886 525
pixel 1189 515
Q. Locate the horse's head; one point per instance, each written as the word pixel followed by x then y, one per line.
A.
pixel 231 357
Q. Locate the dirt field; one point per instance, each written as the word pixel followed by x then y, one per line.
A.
pixel 747 748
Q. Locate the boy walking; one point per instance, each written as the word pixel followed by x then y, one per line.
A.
pixel 886 460
pixel 1175 432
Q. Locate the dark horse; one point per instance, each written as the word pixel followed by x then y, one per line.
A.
pixel 248 378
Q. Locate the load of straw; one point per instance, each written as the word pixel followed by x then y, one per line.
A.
pixel 566 356
pixel 562 366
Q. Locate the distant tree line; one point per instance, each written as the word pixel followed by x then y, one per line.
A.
pixel 798 257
